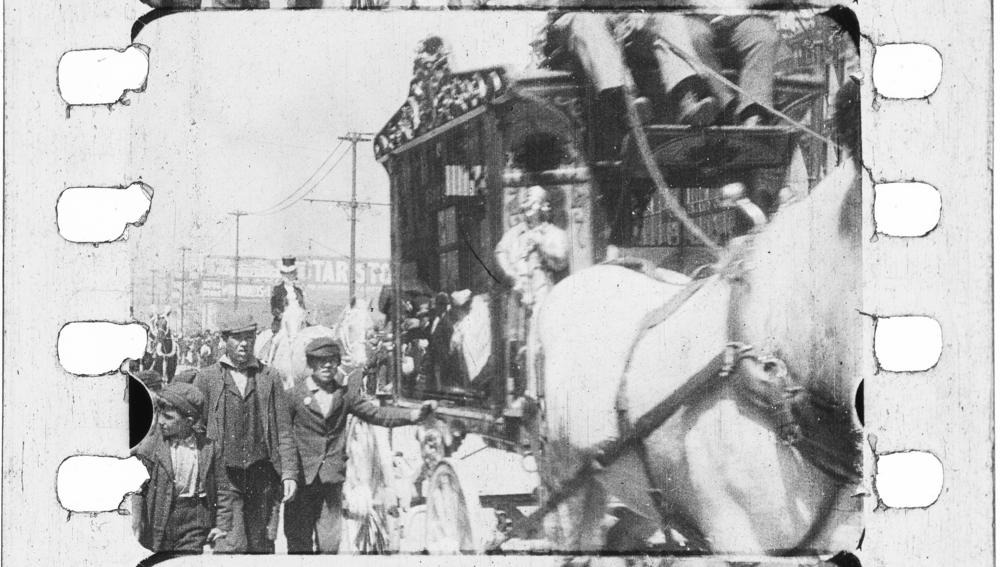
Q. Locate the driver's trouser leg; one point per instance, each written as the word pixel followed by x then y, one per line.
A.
pixel 588 36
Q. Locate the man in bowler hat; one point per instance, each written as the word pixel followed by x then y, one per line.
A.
pixel 245 412
pixel 318 407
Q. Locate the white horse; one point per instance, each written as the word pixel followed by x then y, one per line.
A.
pixel 352 332
pixel 286 350
pixel 719 471
pixel 371 503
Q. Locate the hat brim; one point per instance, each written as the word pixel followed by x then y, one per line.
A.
pixel 240 330
pixel 324 354
pixel 288 269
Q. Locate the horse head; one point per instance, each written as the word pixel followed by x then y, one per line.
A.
pixel 798 292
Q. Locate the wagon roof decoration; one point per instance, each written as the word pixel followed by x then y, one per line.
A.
pixel 438 96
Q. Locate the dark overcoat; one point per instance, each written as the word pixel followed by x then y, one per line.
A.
pixel 272 406
pixel 279 299
pixel 321 440
pixel 154 502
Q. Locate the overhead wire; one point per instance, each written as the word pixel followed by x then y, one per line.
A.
pixel 330 248
pixel 218 234
pixel 308 179
pixel 292 196
pixel 281 207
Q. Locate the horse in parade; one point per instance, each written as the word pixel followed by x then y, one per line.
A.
pixel 368 494
pixel 161 352
pixel 719 409
pixel 372 501
pixel 282 345
pixel 681 363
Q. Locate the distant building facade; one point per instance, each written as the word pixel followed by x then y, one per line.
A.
pixel 210 288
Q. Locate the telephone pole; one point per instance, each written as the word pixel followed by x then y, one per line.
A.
pixel 184 250
pixel 236 262
pixel 352 206
pixel 354 138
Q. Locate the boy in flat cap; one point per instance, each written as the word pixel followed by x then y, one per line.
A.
pixel 151 379
pixel 175 510
pixel 245 414
pixel 318 407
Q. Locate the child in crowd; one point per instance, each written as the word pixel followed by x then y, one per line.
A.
pixel 175 510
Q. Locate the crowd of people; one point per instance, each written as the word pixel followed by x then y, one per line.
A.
pixel 445 342
pixel 199 349
pixel 425 339
pixel 445 338
pixel 166 352
pixel 230 447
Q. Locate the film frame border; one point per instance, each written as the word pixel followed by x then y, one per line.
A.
pixel 880 295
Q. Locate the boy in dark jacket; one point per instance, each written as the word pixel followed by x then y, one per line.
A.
pixel 175 510
pixel 318 406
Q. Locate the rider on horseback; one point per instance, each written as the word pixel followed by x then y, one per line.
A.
pixel 281 294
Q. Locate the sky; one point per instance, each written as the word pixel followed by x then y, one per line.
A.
pixel 243 108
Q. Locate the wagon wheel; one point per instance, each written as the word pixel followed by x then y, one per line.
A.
pixel 450 517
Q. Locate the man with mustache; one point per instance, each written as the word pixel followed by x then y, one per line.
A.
pixel 245 413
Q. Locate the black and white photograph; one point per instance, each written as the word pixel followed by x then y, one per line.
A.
pixel 503 282
pixel 560 281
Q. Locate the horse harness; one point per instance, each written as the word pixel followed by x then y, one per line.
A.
pixel 762 380
pixel 767 384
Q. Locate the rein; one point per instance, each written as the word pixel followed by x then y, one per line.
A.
pixel 646 153
pixel 718 372
pixel 703 68
pixel 609 452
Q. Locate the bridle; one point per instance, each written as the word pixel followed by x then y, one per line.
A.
pixel 762 379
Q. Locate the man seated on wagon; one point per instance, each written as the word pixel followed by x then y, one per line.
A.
pixel 685 46
pixel 684 49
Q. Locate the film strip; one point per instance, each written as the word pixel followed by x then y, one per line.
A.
pixel 925 306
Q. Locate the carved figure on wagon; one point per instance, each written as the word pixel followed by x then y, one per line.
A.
pixel 531 252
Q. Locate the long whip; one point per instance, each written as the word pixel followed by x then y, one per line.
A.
pixel 646 153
